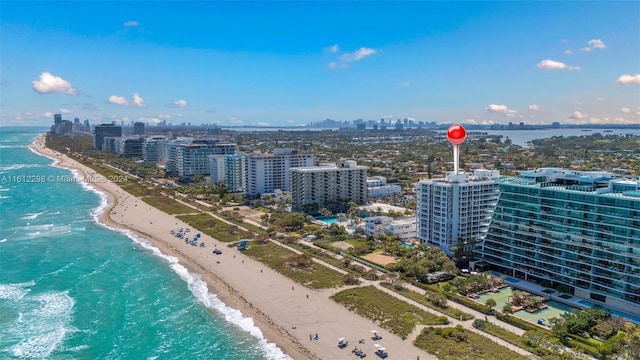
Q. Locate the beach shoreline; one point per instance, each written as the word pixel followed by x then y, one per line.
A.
pixel 286 313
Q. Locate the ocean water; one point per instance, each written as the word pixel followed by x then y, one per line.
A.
pixel 71 288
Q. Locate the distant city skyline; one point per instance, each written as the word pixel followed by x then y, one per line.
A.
pixel 294 63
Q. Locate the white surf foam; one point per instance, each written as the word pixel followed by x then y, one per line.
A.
pixel 18 167
pixel 15 291
pixel 3 240
pixel 199 289
pixel 32 216
pixel 43 322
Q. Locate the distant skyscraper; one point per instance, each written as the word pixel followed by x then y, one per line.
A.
pixel 138 128
pixel 103 130
pixel 57 119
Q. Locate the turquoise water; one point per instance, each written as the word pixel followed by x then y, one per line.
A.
pixel 71 288
pixel 408 245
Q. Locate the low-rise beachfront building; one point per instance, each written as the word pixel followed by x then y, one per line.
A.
pixel 571 229
pixel 403 228
pixel 377 187
pixel 268 172
pixel 455 209
pixel 330 186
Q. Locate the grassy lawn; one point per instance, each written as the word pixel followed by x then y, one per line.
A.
pixel 454 313
pixel 388 311
pixel 213 227
pixel 276 257
pixel 460 344
pixel 167 204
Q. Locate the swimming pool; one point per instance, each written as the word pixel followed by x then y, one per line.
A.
pixel 327 219
pixel 553 309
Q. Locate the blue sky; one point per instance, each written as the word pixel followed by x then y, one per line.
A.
pixel 292 63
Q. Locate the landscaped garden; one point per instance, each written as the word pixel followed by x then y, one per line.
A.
pixel 298 267
pixel 389 312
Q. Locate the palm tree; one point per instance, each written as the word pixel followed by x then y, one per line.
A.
pixel 491 303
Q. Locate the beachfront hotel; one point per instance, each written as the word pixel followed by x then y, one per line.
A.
pixel 568 229
pixel 330 186
pixel 267 172
pixel 456 209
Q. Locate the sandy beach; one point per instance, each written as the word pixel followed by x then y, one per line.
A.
pixel 286 312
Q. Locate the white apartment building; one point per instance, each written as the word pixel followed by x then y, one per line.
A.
pixel 329 186
pixel 456 208
pixel 269 172
pixel 403 228
pixel 189 157
pixel 229 169
pixel 154 149
pixel 377 187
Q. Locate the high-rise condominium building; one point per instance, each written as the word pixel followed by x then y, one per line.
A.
pixel 269 172
pixel 578 229
pixel 105 130
pixel 189 157
pixel 230 170
pixel 328 186
pixel 154 149
pixel 456 209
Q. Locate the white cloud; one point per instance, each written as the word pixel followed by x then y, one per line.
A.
pixel 594 44
pixel 65 111
pixel 137 100
pixel 151 120
pixel 333 49
pixel 28 113
pixel 625 110
pixel 535 107
pixel 555 65
pixel 568 52
pixel 627 79
pixel 118 100
pixel 476 122
pixel 601 99
pixel 497 108
pixel 576 101
pixel 49 83
pixel 405 84
pixel 180 103
pixel 577 115
pixel 47 115
pixel 131 23
pixel 234 120
pixel 348 57
pixel 358 55
pixel 263 123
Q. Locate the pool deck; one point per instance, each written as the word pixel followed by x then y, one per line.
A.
pixel 573 301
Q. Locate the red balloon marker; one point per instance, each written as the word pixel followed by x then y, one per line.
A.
pixel 456 135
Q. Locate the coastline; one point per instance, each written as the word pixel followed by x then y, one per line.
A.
pixel 285 312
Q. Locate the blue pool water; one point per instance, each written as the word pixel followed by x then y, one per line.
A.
pixel 408 245
pixel 511 280
pixel 327 219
